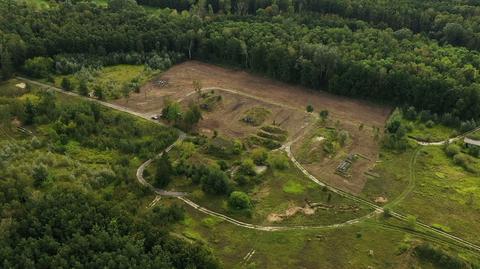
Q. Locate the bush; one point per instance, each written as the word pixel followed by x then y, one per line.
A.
pixel 39 174
pixel 38 67
pixel 467 162
pixel 410 113
pixel 309 108
pixel 430 124
pixel 247 168
pixel 452 150
pixel 239 201
pixel 67 84
pixel 274 130
pixel 259 156
pixel 276 137
pixel 265 142
pixel 215 182
pixel 278 161
pixel 163 171
pixel 439 257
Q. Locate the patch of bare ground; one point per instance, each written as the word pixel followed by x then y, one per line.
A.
pixel 181 76
pixel 362 142
pixel 242 91
pixel 227 116
pixel 307 209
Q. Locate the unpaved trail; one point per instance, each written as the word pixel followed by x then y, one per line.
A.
pixel 377 208
pixel 448 141
pixel 287 147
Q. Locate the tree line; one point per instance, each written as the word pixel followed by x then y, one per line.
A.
pixel 341 55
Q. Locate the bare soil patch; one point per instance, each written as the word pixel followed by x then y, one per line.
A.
pixel 362 143
pixel 307 209
pixel 243 91
pixel 228 116
pixel 181 76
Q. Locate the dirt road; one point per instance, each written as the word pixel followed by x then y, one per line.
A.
pixel 287 148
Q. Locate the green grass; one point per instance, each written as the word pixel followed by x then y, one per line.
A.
pixel 420 131
pixel 113 78
pixel 474 135
pixel 451 200
pixel 390 175
pixel 256 116
pixel 346 247
pixel 314 147
pixel 293 187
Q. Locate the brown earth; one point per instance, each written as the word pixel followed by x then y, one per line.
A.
pixel 181 76
pixel 226 117
pixel 287 103
pixel 362 142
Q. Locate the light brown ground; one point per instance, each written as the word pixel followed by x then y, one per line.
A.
pixel 362 142
pixel 181 76
pixel 286 102
pixel 226 117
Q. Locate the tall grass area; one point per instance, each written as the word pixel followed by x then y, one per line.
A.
pixel 112 80
pixel 446 195
pixel 101 156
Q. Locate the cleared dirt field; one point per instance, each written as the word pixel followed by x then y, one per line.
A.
pixel 286 103
pixel 226 117
pixel 181 76
pixel 360 142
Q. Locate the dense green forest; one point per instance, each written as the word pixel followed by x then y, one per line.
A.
pixel 329 52
pixel 68 196
pixel 68 192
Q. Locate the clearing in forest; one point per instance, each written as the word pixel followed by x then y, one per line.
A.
pixel 237 104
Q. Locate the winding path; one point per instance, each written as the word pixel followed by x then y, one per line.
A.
pixel 450 140
pixel 287 148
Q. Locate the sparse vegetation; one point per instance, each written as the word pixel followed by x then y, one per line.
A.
pixel 256 116
pixel 248 159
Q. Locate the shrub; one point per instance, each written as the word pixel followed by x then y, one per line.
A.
pixel 67 84
pixel 309 108
pixel 439 257
pixel 273 130
pixel 278 161
pixel 39 67
pixel 452 150
pixel 215 182
pixel 276 137
pixel 39 174
pixel 247 168
pixel 239 201
pixel 324 114
pixel 410 113
pixel 163 171
pixel 256 116
pixel 259 156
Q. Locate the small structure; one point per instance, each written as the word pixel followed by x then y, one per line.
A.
pixel 470 143
pixel 344 166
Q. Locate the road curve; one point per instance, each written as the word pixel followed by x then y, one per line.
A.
pixel 377 208
pixel 287 148
pixel 181 195
pixel 450 140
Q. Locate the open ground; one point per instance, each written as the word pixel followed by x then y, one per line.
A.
pixel 241 91
pixel 192 234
